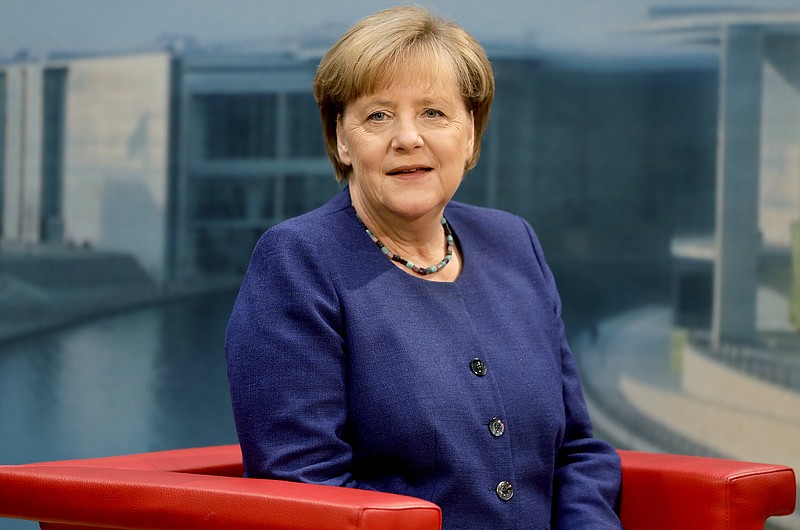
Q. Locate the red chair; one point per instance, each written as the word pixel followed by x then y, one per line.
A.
pixel 203 488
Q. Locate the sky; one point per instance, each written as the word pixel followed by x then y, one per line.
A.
pixel 568 26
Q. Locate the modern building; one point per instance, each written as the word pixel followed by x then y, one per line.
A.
pixel 728 279
pixel 179 160
pixel 183 158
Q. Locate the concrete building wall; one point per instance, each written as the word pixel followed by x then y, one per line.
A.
pixel 23 150
pixel 737 240
pixel 779 205
pixel 116 156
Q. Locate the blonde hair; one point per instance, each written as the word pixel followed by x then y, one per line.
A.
pixel 379 48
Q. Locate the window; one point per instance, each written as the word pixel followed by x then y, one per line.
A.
pixel 55 80
pixel 219 200
pixel 240 126
pixel 305 132
pixel 303 193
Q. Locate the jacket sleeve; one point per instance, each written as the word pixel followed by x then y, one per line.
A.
pixel 286 365
pixel 587 473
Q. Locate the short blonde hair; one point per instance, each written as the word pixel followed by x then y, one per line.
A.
pixel 379 47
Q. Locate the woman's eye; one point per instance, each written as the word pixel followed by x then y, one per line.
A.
pixel 377 116
pixel 432 113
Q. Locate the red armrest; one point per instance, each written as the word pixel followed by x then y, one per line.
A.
pixel 203 488
pixel 180 489
pixel 665 492
pixel 223 460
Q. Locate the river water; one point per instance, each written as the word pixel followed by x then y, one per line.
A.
pixel 140 381
pixel 144 380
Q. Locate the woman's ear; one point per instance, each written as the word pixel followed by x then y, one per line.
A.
pixel 341 142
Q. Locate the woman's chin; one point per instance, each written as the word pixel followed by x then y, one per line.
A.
pixel 407 199
pixel 413 204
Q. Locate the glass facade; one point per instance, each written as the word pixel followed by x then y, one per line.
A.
pixel 570 149
pixel 305 135
pixel 239 126
pixel 259 156
pixel 2 147
pixel 54 108
pixel 218 200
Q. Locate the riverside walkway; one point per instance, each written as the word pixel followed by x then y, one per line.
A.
pixel 650 388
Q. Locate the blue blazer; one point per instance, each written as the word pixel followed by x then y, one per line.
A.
pixel 344 370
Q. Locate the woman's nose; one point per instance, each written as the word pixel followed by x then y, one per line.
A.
pixel 406 135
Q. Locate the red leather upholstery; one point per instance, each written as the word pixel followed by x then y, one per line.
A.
pixel 661 492
pixel 202 488
pixel 194 488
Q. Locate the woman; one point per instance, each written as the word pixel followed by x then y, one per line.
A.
pixel 397 341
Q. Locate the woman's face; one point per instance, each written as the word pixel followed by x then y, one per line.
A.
pixel 407 144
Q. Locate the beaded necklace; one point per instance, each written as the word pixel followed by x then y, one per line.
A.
pixel 448 237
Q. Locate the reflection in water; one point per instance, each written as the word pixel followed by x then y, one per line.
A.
pixel 147 380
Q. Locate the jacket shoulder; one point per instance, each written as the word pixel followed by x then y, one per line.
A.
pixel 314 227
pixel 488 222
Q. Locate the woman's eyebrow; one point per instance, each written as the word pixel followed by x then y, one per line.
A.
pixel 381 102
pixel 419 102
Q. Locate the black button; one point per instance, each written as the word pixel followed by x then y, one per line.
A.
pixel 478 367
pixel 505 490
pixel 497 427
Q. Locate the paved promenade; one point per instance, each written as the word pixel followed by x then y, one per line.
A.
pixel 673 398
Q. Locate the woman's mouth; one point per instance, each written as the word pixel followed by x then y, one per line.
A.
pixel 409 171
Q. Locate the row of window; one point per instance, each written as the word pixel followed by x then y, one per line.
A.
pixel 267 198
pixel 229 215
pixel 53 108
pixel 230 211
pixel 253 126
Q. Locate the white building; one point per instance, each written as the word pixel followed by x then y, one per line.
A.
pixel 181 161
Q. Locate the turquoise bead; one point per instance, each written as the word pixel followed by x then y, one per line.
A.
pixel 430 270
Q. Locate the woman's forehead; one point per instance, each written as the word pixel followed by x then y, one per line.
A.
pixel 425 76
